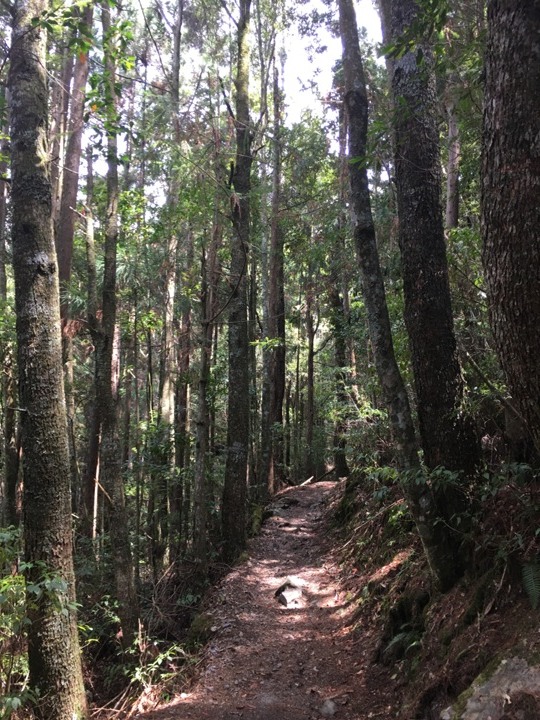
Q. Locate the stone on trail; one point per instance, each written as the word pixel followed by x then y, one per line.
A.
pixel 290 593
pixel 328 708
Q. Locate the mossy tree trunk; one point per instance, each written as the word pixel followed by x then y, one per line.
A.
pixel 440 543
pixel 234 506
pixel 447 434
pixel 53 648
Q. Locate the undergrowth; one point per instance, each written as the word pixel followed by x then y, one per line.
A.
pixel 439 643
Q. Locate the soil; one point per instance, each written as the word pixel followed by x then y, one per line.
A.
pixel 314 624
pixel 285 641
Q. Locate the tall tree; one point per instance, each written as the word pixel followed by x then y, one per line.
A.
pixel 356 107
pixel 65 229
pixel 510 190
pixel 447 434
pixel 53 649
pixel 273 385
pixel 235 488
pixel 441 545
pixel 9 512
pixel 106 339
pixel 65 225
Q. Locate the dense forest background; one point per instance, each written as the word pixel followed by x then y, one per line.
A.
pixel 203 300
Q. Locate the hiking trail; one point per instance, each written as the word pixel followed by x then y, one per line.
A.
pixel 282 645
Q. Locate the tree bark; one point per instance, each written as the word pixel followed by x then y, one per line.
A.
pixel 9 510
pixel 448 437
pixel 59 114
pixel 311 330
pixel 454 158
pixel 274 353
pixel 53 648
pixel 234 504
pixel 341 468
pixel 441 544
pixel 65 228
pixel 510 191
pixel 107 374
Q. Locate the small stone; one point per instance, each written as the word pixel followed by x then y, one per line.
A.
pixel 328 708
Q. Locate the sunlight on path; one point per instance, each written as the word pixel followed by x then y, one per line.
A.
pixel 282 650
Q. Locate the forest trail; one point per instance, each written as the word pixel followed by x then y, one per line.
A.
pixel 288 655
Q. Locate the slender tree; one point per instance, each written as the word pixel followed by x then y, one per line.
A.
pixel 9 512
pixel 53 649
pixel 273 385
pixel 65 225
pixel 235 488
pixel 106 339
pixel 454 156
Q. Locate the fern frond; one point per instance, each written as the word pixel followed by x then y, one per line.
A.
pixel 531 582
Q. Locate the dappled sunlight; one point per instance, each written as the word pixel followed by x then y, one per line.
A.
pixel 280 648
pixel 397 561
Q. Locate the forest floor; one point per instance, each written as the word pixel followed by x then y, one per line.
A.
pixel 281 645
pixel 314 623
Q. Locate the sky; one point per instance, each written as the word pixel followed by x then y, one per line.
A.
pixel 302 67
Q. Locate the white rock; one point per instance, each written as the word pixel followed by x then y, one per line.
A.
pixel 328 708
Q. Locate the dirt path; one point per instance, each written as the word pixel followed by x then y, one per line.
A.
pixel 286 655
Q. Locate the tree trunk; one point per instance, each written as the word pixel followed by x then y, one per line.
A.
pixel 341 469
pixel 448 437
pixel 209 278
pixel 179 500
pixel 200 479
pixel 107 382
pixel 53 648
pixel 454 157
pixel 441 544
pixel 9 510
pixel 163 450
pixel 93 422
pixel 510 191
pixel 65 227
pixel 65 231
pixel 274 353
pixel 234 505
pixel 59 113
pixel 311 329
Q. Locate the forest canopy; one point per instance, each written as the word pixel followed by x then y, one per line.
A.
pixel 207 294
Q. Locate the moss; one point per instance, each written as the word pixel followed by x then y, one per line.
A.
pixel 461 703
pixel 200 630
pixel 257 519
pixel 348 505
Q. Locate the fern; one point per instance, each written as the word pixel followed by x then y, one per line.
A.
pixel 531 582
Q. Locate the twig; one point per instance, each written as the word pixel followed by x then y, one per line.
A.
pixel 329 472
pixel 225 98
